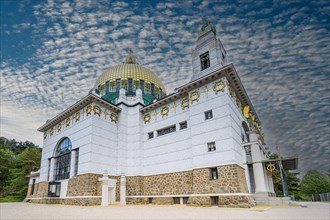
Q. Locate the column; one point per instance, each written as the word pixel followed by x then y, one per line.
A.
pixel 72 163
pixel 105 189
pixel 258 169
pixel 51 169
pixel 123 190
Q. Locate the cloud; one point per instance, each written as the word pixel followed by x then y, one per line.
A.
pixel 281 52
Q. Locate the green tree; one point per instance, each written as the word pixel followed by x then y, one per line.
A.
pixel 6 163
pixel 314 182
pixel 27 161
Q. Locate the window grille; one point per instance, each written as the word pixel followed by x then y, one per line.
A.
pixel 205 61
pixel 183 125
pixel 214 200
pixel 213 173
pixel 166 130
pixel 211 146
pixel 208 114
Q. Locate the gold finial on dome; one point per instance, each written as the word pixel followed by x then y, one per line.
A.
pixel 130 58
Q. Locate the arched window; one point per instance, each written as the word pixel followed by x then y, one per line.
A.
pixel 245 135
pixel 63 159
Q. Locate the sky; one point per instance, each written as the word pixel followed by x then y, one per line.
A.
pixel 52 52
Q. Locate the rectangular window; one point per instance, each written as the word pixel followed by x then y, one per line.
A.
pixel 166 130
pixel 62 167
pixel 117 85
pixel 185 200
pixel 160 93
pixel 208 114
pixel 183 125
pixel 213 173
pixel 107 86
pixel 214 200
pixel 130 85
pixel 176 200
pixel 142 85
pixel 76 162
pixel 99 89
pixel 151 135
pixel 32 187
pixel 211 146
pixel 152 89
pixel 205 60
pixel 149 200
pixel 54 189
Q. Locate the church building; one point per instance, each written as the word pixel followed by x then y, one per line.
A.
pixel 129 142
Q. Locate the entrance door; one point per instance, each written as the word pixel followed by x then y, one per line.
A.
pixel 112 195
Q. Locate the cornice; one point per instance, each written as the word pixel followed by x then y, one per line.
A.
pixel 76 107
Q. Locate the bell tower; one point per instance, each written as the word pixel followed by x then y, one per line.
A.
pixel 209 53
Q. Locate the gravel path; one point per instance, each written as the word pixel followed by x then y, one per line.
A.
pixel 43 211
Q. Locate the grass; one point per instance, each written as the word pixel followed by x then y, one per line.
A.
pixel 11 199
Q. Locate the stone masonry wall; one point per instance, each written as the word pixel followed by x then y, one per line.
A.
pixel 89 185
pixel 231 179
pixel 40 190
pixel 168 184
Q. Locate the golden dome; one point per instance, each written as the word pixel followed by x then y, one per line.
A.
pixel 129 69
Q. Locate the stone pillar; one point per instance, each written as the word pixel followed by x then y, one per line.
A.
pixel 51 169
pixel 105 187
pixel 123 190
pixel 258 169
pixel 72 163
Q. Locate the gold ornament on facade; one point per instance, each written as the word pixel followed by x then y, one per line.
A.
pixel 89 110
pixel 174 106
pixel 114 117
pixel 194 96
pixel 164 111
pixel 77 116
pixel 219 86
pixel 246 111
pixel 67 122
pixel 206 91
pixel 271 167
pixel 184 103
pixel 59 127
pixel 97 110
pixel 146 118
pixel 51 132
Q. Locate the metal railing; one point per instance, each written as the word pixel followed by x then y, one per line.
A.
pixel 324 197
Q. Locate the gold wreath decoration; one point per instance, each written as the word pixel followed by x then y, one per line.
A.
pixel 89 110
pixel 77 116
pixel 271 167
pixel 59 127
pixel 194 96
pixel 184 103
pixel 114 117
pixel 164 111
pixel 146 118
pixel 51 131
pixel 216 87
pixel 67 122
pixel 97 110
